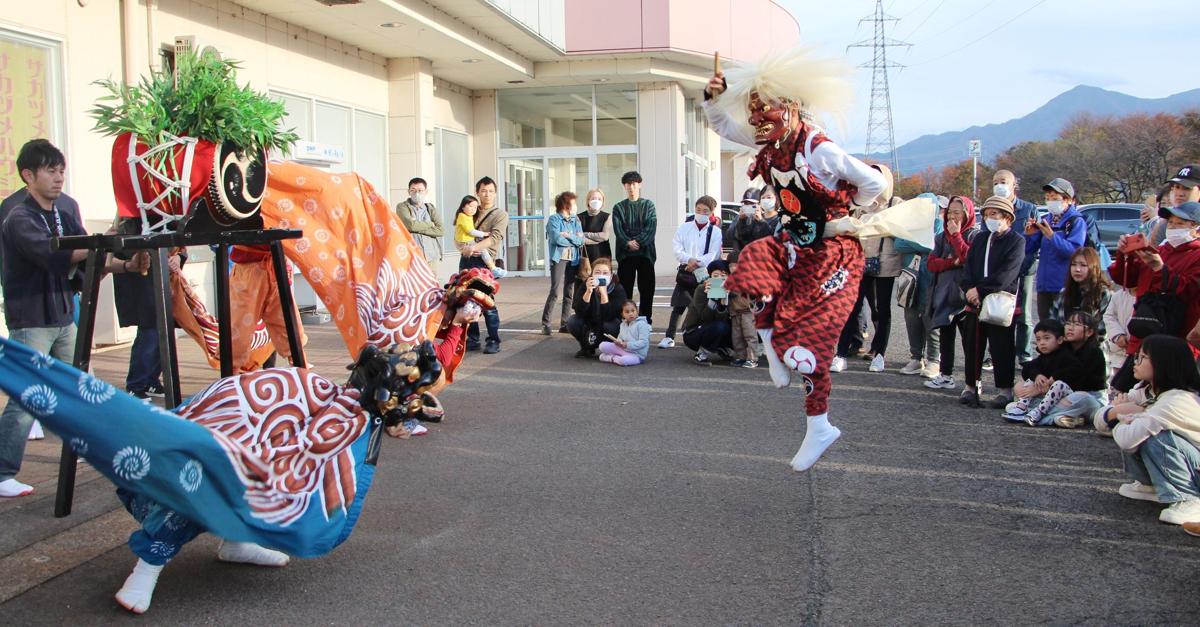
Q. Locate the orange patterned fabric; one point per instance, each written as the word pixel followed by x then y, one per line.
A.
pixel 357 256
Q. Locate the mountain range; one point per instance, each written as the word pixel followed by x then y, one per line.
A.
pixel 1043 124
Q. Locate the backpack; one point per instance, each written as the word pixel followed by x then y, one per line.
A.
pixel 1158 312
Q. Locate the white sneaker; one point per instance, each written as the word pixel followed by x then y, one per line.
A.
pixel 667 343
pixel 941 382
pixel 1138 491
pixel 877 364
pixel 10 488
pixel 931 370
pixel 1181 512
pixel 914 366
pixel 838 364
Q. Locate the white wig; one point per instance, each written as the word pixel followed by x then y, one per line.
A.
pixel 821 86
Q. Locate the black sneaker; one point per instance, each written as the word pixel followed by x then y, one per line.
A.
pixel 156 390
pixel 987 364
pixel 472 346
pixel 563 329
pixel 491 348
pixel 139 394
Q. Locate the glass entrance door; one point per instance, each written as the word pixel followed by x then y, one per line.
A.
pixel 530 186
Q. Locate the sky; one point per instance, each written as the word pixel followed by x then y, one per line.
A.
pixel 967 66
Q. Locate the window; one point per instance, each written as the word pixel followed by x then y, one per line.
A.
pixel 696 152
pixel 361 134
pixel 571 116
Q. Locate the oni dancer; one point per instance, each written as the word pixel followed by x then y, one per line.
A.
pixel 806 274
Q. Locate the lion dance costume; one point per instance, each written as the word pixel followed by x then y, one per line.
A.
pixel 807 274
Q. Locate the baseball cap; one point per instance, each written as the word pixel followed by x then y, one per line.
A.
pixel 1062 186
pixel 1188 211
pixel 1187 176
pixel 751 195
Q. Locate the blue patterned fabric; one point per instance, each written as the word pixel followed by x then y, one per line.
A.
pixel 281 476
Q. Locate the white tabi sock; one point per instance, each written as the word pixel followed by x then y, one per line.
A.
pixel 780 375
pixel 250 553
pixel 820 436
pixel 139 587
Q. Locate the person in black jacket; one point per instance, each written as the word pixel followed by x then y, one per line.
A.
pixel 993 265
pixel 597 309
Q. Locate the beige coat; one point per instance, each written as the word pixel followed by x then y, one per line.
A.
pixel 1176 410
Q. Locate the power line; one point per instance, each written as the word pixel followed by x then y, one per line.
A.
pixel 962 21
pixel 984 36
pixel 881 136
pixel 931 13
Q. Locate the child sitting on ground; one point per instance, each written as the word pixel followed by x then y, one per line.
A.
pixel 466 234
pixel 632 343
pixel 1055 361
pixel 1068 402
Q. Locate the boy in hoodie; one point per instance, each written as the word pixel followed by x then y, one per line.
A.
pixel 1054 239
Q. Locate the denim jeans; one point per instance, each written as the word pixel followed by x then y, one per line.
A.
pixel 711 336
pixel 1075 404
pixel 1168 462
pixel 58 342
pixel 145 364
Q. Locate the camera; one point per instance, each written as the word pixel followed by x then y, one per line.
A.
pixel 601 281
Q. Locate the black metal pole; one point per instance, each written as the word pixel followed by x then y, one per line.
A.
pixel 67 461
pixel 224 330
pixel 288 303
pixel 165 320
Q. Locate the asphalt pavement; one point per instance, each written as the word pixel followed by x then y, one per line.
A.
pixel 567 491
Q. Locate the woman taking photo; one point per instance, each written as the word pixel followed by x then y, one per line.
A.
pixel 1157 427
pixel 597 309
pixel 564 248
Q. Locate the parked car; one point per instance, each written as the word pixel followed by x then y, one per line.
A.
pixel 1113 220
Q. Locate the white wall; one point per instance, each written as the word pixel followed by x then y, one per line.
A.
pixel 273 54
pixel 660 162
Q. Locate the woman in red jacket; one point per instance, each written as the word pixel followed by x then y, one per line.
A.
pixel 1174 268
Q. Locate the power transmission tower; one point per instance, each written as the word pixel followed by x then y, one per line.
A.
pixel 880 136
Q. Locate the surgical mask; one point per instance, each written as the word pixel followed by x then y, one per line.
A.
pixel 1179 237
pixel 767 204
pixel 1000 189
pixel 418 198
pixel 594 205
pixel 1055 207
pixel 702 219
pixel 995 225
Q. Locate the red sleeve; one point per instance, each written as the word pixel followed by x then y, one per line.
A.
pixel 446 349
pixel 1125 270
pixel 960 247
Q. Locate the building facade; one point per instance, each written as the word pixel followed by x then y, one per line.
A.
pixel 543 96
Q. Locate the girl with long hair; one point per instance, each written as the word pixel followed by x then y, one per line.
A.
pixel 1085 289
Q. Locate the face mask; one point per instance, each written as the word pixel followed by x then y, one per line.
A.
pixel 995 225
pixel 1179 237
pixel 1055 207
pixel 418 198
pixel 767 204
pixel 1000 189
pixel 702 219
pixel 594 205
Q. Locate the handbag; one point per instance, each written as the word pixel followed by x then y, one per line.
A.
pixel 906 284
pixel 1158 312
pixel 684 277
pixel 998 308
pixel 583 269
